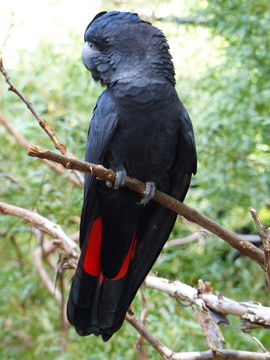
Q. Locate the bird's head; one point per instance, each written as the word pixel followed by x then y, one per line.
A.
pixel 119 46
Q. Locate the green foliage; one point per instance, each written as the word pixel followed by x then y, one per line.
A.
pixel 221 78
pixel 233 125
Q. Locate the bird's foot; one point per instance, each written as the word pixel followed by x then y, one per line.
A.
pixel 149 192
pixel 119 181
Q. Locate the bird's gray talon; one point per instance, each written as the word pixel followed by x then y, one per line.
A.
pixel 109 184
pixel 120 176
pixel 149 193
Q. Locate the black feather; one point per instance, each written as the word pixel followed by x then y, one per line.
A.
pixel 139 124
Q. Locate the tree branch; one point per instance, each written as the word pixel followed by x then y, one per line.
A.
pixel 46 127
pixel 197 235
pixel 42 122
pixel 38 254
pixel 139 341
pixel 243 246
pixel 138 325
pixel 264 234
pixel 45 225
pixel 167 353
pixel 255 313
pixel 23 142
pixel 37 257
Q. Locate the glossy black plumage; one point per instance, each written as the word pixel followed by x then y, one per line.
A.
pixel 140 125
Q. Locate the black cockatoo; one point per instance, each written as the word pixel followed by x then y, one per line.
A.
pixel 139 127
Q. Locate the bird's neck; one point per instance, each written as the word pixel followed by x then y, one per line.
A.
pixel 141 90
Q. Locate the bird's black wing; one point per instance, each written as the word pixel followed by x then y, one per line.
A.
pixel 97 305
pixel 83 288
pixel 101 129
pixel 158 221
pixel 185 163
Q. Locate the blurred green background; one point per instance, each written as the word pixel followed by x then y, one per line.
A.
pixel 221 54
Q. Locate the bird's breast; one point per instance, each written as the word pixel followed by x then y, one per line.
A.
pixel 145 145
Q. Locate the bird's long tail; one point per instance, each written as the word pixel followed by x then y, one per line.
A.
pixel 101 295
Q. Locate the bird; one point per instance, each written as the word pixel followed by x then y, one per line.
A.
pixel 139 127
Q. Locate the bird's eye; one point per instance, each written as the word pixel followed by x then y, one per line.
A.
pixel 93 47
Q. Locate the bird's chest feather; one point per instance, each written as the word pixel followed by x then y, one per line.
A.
pixel 144 143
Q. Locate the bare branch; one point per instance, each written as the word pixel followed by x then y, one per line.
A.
pixel 58 296
pixel 11 178
pixel 46 127
pixel 138 325
pixel 139 341
pixel 264 234
pixel 23 142
pixel 260 344
pixel 70 247
pixel 166 353
pixel 63 316
pixel 243 246
pixel 185 240
pixel 19 254
pixel 213 335
pixel 47 250
pixel 42 122
pixel 253 238
pixel 253 312
pixel 199 235
pixel 49 284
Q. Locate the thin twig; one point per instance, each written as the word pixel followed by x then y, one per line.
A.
pixel 63 317
pixel 185 240
pixel 45 225
pixel 11 179
pixel 46 127
pixel 42 122
pixel 55 293
pixel 23 142
pixel 264 234
pixel 138 325
pixel 253 312
pixel 168 354
pixel 259 343
pixel 19 254
pixel 256 314
pixel 139 341
pixel 243 246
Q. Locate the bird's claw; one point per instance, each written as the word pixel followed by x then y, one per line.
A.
pixel 149 193
pixel 120 176
pixel 109 184
pixel 119 181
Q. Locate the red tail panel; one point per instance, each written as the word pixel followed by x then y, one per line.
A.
pixel 130 254
pixel 91 263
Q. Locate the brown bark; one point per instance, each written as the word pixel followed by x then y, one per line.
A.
pixel 45 225
pixel 243 246
pixel 42 122
pixel 214 353
pixel 264 234
pixel 23 142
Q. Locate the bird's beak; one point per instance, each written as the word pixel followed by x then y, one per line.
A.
pixel 87 53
